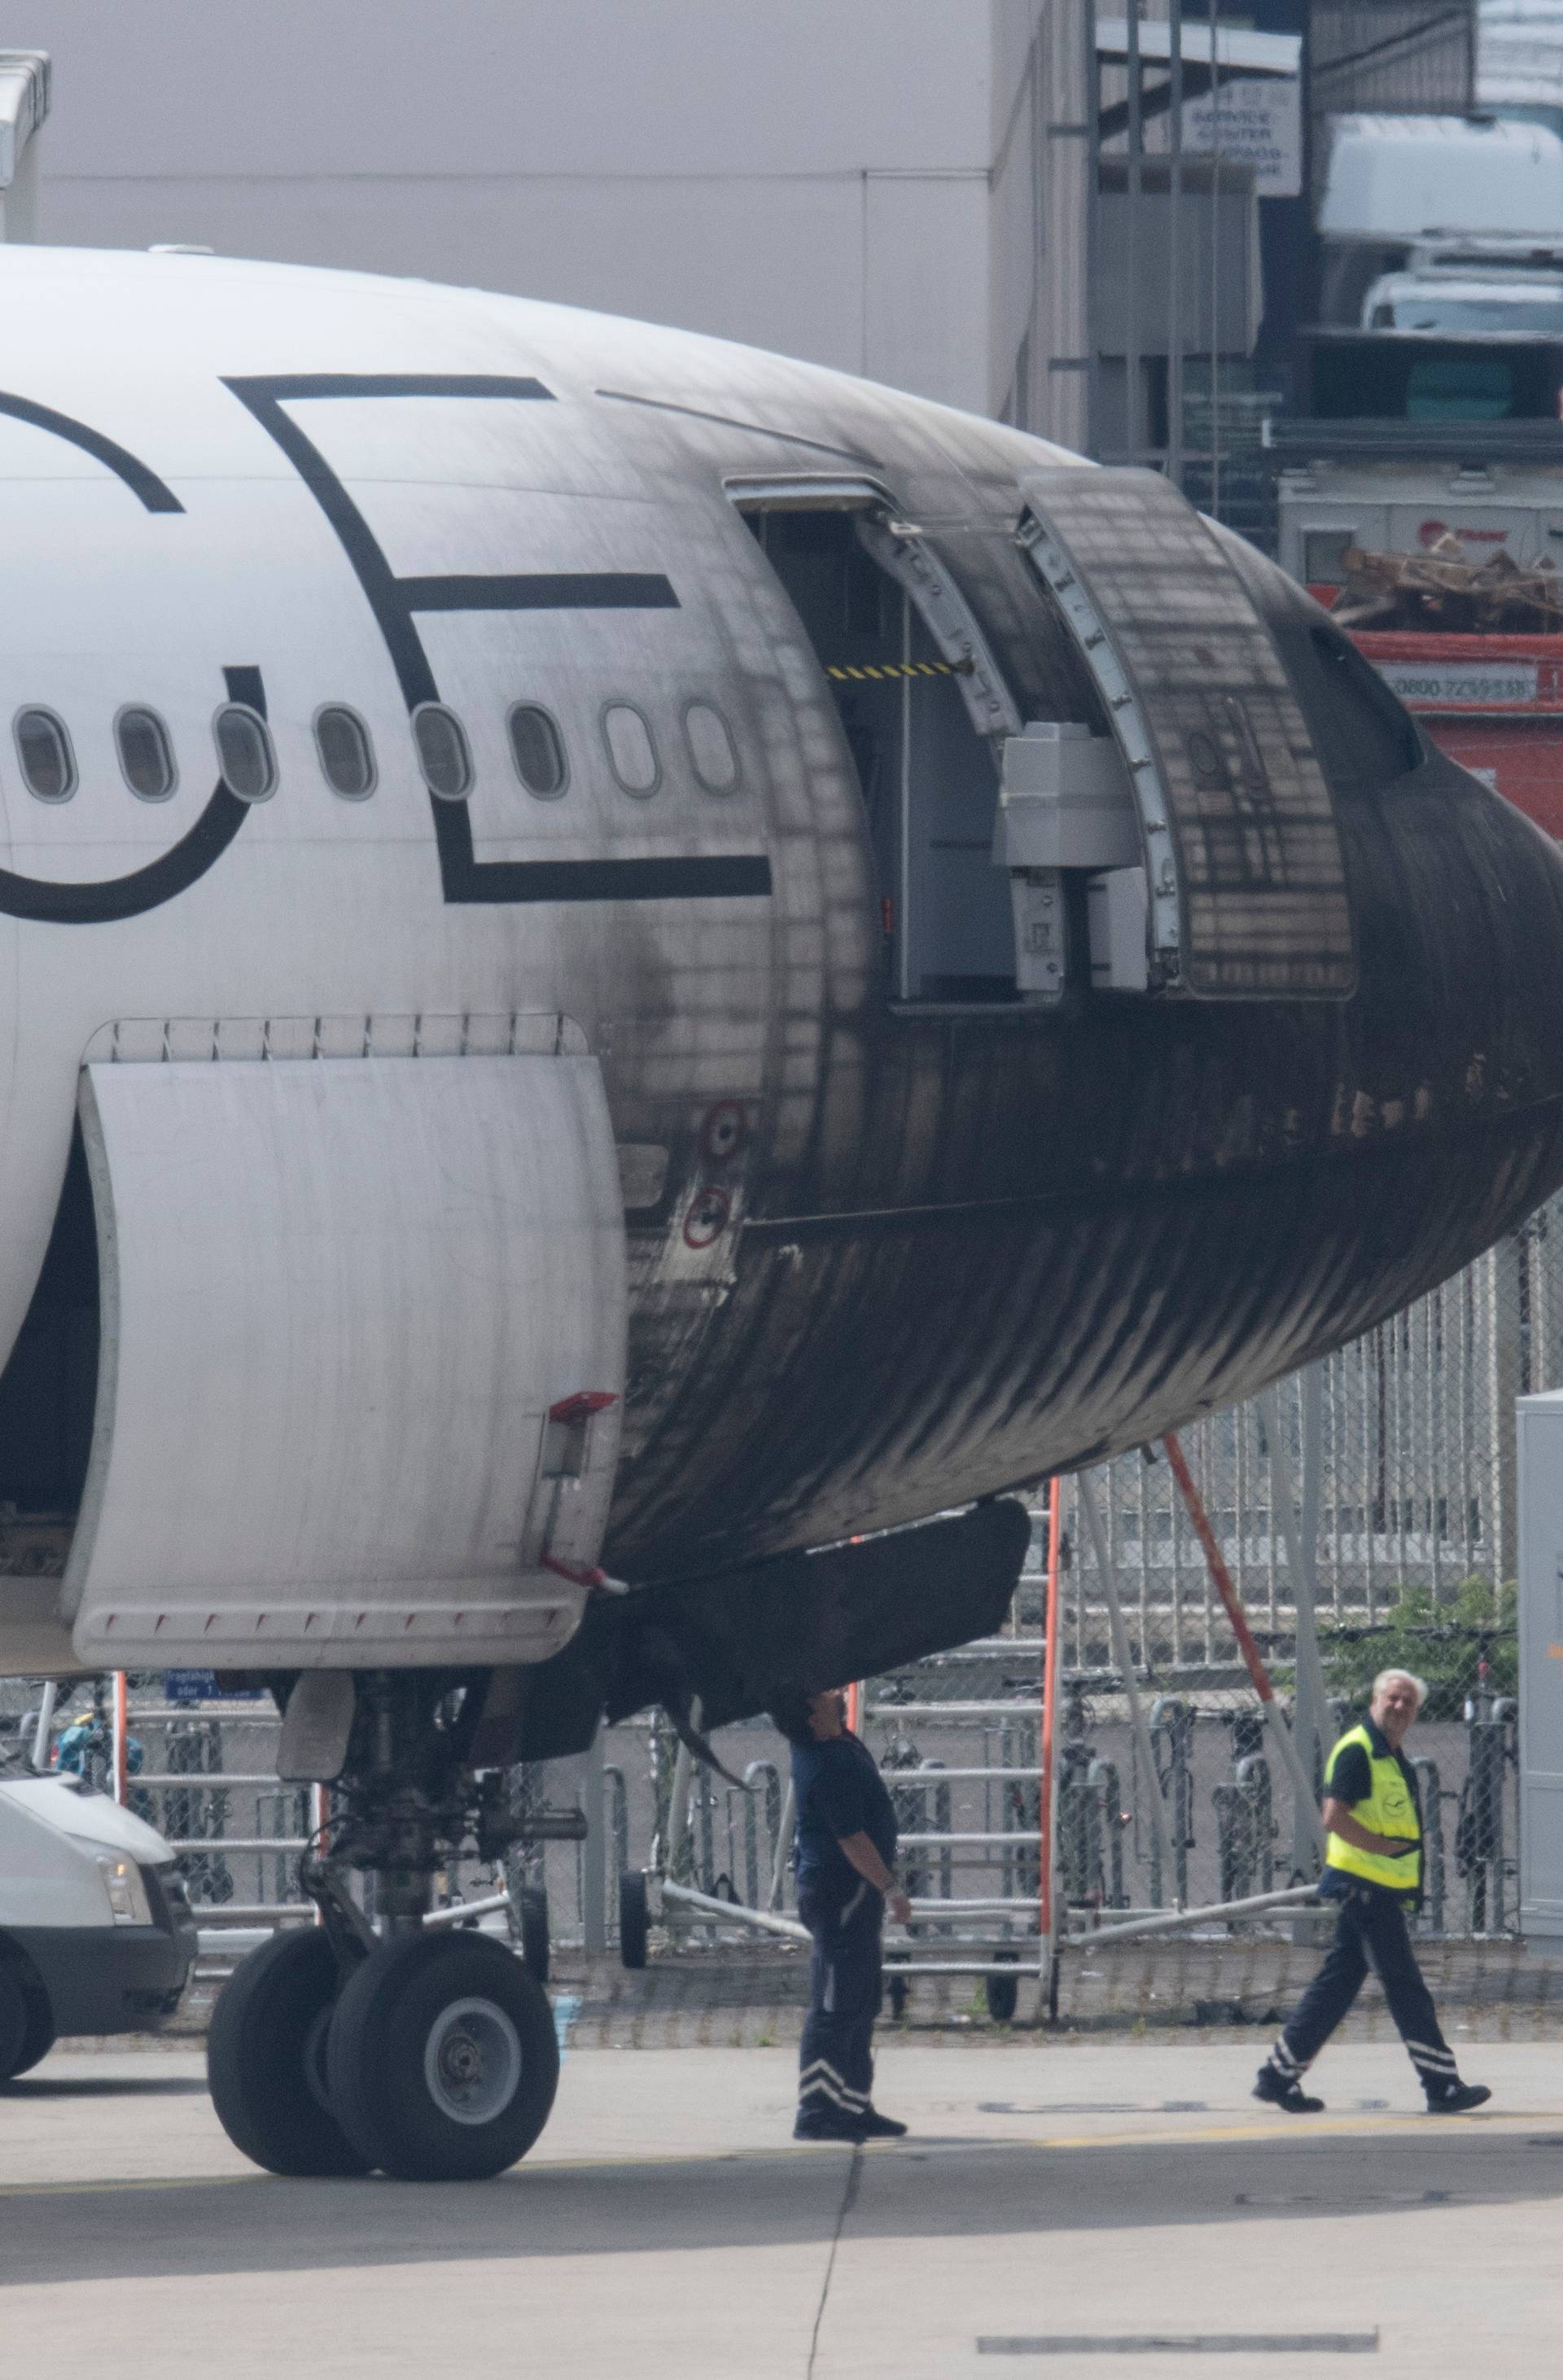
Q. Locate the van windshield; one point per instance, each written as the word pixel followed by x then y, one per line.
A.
pixel 1540 316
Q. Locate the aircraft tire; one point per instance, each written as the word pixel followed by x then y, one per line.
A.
pixel 632 1918
pixel 534 1931
pixel 263 2058
pixel 1001 1992
pixel 443 2060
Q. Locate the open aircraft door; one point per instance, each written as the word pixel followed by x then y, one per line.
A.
pixel 363 1359
pixel 1245 884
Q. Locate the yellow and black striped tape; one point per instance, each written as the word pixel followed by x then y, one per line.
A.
pixel 902 669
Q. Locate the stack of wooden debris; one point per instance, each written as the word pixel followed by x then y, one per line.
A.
pixel 1442 590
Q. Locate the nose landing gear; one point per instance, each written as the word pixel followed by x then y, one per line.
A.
pixel 443 2062
pixel 426 2053
pixel 266 2062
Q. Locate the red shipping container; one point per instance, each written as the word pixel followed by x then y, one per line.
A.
pixel 1492 703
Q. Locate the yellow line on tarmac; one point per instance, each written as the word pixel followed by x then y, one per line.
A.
pixel 126 2182
pixel 1341 2127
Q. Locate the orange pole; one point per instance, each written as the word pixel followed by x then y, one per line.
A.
pixel 121 1734
pixel 1049 1713
pixel 1275 1718
pixel 1194 1506
pixel 854 1704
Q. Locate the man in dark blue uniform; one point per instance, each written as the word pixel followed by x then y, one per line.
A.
pixel 845 1846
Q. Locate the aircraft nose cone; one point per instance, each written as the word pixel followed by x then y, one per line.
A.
pixel 1457 1025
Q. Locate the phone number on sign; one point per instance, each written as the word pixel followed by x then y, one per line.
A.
pixel 1477 684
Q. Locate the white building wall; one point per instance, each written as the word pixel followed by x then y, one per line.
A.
pixel 851 181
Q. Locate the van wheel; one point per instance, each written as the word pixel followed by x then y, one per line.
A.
pixel 265 2057
pixel 27 2022
pixel 443 2058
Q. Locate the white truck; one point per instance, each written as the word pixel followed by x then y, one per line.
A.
pixel 1405 438
pixel 96 1935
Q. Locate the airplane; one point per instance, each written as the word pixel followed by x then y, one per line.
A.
pixel 629 966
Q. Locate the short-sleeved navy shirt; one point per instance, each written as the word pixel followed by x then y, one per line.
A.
pixel 837 1791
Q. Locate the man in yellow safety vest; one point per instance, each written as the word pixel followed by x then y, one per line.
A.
pixel 1373 1872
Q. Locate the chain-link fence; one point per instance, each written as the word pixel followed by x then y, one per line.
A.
pixel 1397 1457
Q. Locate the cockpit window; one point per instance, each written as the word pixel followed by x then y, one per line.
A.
pixel 48 764
pixel 347 755
pixel 631 753
pixel 244 753
pixel 538 752
pixel 443 754
pixel 146 754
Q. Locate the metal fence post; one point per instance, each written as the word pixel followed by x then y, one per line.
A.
pixel 594 1851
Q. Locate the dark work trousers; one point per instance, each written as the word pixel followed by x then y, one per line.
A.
pixel 1370 1928
pixel 835 2056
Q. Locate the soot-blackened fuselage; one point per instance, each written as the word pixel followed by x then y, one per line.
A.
pixel 1058 1233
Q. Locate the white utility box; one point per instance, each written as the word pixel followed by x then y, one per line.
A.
pixel 1065 800
pixel 1540 1665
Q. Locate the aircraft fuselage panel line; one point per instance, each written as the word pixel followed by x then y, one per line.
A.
pixel 464 879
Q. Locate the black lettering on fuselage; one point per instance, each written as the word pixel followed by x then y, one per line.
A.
pixel 395 602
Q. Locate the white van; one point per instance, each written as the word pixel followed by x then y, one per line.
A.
pixel 1401 178
pixel 1396 185
pixel 96 1935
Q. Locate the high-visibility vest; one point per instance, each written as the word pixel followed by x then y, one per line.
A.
pixel 1388 1810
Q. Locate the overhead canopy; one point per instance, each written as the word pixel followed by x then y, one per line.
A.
pixel 1249 55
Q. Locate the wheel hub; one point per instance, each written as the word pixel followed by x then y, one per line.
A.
pixel 472 2061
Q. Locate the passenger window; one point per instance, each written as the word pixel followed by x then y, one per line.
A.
pixel 711 748
pixel 631 753
pixel 48 764
pixel 146 756
pixel 347 755
pixel 244 754
pixel 443 752
pixel 538 752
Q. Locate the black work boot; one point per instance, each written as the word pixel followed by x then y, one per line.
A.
pixel 875 2127
pixel 1272 2086
pixel 1458 2099
pixel 817 2124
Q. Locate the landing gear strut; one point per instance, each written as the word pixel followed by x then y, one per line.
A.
pixel 356 2046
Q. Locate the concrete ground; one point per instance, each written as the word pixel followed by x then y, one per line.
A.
pixel 665 2225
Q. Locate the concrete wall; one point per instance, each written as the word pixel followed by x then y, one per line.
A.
pixel 848 180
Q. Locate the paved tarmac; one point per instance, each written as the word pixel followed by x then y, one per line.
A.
pixel 665 2225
